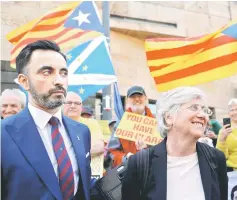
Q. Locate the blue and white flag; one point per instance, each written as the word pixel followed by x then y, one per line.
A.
pixel 90 67
pixel 86 17
pixel 118 106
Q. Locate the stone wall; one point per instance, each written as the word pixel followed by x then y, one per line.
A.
pixel 131 22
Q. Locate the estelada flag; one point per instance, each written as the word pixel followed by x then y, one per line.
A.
pixel 175 62
pixel 68 25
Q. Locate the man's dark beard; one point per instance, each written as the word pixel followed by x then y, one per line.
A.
pixel 44 99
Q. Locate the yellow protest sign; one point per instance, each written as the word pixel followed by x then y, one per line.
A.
pixel 134 126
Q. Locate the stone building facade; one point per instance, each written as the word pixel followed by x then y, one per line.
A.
pixel 131 22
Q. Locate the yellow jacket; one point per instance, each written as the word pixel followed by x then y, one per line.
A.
pixel 229 148
pixel 97 162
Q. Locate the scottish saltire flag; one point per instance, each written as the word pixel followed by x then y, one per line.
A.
pixel 68 25
pixel 90 67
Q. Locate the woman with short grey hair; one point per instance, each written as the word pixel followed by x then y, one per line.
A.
pixel 180 167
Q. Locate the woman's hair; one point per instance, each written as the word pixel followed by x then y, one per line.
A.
pixel 232 102
pixel 171 101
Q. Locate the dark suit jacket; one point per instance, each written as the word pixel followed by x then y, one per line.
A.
pixel 27 173
pixel 157 177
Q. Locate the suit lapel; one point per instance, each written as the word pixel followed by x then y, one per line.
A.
pixel 205 173
pixel 28 140
pixel 78 145
pixel 159 167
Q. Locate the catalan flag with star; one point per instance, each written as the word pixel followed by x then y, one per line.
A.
pixel 68 25
pixel 175 62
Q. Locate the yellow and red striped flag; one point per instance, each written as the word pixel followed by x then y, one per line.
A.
pixel 175 62
pixel 68 25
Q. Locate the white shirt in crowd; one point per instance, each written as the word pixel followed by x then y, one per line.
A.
pixel 41 119
pixel 184 179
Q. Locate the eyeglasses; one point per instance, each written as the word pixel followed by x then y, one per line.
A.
pixel 233 110
pixel 197 108
pixel 77 103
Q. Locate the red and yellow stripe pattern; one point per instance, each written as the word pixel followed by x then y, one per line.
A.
pixel 49 27
pixel 175 62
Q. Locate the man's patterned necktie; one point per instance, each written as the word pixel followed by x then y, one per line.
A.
pixel 66 177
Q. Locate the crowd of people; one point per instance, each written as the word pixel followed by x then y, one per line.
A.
pixel 52 145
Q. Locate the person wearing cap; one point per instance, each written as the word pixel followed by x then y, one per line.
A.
pixel 111 125
pixel 87 112
pixel 136 103
pixel 73 109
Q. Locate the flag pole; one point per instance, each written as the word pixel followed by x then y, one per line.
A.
pixel 106 92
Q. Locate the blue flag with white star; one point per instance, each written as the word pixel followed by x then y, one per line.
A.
pixel 90 67
pixel 85 17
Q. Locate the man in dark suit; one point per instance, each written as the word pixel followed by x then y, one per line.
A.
pixel 45 155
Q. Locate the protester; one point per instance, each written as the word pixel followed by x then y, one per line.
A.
pixel 45 155
pixel 12 102
pixel 213 130
pixel 136 103
pixel 178 167
pixel 108 162
pixel 208 135
pixel 73 109
pixel 111 125
pixel 87 112
pixel 227 138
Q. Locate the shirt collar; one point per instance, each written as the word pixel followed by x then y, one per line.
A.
pixel 41 118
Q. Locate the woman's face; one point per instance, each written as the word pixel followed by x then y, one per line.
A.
pixel 233 113
pixel 191 119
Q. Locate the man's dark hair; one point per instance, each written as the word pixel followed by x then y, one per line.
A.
pixel 24 56
pixel 234 189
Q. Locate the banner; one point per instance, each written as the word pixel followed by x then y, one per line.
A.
pixel 232 185
pixel 134 126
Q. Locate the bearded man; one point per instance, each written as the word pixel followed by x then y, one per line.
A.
pixel 136 103
pixel 45 155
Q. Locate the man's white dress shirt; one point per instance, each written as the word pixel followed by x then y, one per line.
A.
pixel 41 119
